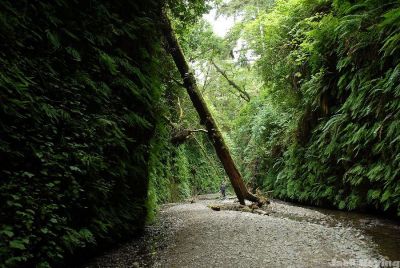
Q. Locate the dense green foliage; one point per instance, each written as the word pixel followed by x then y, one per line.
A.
pixel 76 117
pixel 81 126
pixel 326 127
pixel 180 171
pixel 191 168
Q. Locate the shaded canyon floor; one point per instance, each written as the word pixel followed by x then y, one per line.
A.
pixel 192 235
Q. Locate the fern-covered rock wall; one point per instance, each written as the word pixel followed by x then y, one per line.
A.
pixel 350 156
pixel 79 83
pixel 85 151
pixel 180 171
pixel 327 129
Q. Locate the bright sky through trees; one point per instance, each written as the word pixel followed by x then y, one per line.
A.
pixel 220 25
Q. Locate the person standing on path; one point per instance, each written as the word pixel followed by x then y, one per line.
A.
pixel 223 189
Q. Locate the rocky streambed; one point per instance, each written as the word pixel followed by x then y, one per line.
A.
pixel 191 234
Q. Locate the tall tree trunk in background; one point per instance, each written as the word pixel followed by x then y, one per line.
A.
pixel 206 118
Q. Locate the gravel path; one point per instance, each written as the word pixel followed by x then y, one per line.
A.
pixel 193 235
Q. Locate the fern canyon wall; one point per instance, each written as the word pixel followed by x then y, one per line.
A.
pixel 326 128
pixel 85 149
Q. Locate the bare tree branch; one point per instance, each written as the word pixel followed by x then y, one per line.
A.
pixel 206 81
pixel 242 93
pixel 180 136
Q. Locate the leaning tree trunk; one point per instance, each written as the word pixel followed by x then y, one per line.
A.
pixel 206 118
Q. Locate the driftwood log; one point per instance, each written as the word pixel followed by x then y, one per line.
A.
pixel 236 207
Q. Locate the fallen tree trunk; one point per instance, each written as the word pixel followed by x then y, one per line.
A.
pixel 206 118
pixel 252 209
